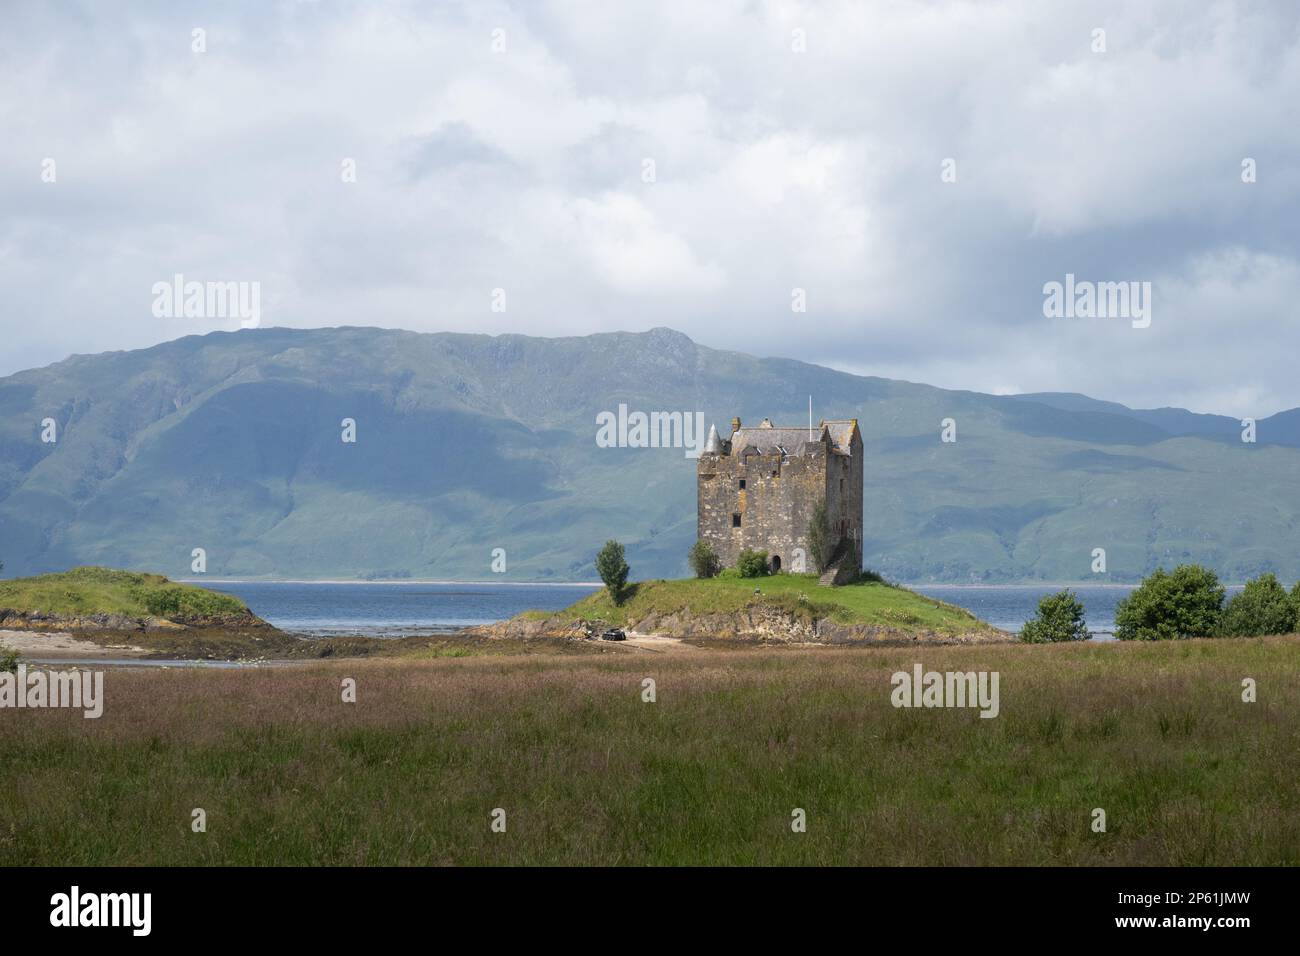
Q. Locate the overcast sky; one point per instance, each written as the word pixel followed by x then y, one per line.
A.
pixel 775 168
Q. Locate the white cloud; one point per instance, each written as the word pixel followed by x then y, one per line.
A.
pixel 775 169
pixel 621 239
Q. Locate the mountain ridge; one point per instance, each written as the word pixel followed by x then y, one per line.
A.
pixel 467 443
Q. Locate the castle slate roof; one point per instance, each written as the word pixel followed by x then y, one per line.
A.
pixel 770 439
pixel 841 433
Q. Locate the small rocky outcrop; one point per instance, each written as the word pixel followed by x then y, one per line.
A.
pixel 758 622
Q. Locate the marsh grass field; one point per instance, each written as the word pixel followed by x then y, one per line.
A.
pixel 1155 734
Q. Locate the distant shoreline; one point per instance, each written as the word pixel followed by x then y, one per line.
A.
pixel 911 585
pixel 1040 584
pixel 522 584
pixel 598 584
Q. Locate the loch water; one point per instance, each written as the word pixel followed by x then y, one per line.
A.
pixel 403 608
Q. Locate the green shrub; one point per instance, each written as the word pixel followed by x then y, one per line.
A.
pixel 9 661
pixel 612 567
pixel 752 564
pixel 1186 603
pixel 1263 607
pixel 1060 618
pixel 821 546
pixel 180 601
pixel 704 560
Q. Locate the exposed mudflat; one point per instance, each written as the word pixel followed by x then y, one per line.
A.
pixel 61 645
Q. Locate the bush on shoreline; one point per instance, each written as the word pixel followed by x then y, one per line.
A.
pixel 1262 608
pixel 1185 603
pixel 1189 602
pixel 1060 618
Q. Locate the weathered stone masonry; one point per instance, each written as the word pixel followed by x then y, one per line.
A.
pixel 757 490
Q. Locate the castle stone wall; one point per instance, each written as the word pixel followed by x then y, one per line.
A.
pixel 776 504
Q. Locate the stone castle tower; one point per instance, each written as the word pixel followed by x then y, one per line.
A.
pixel 757 490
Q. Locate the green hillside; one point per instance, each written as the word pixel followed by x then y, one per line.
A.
pixel 231 442
pixel 85 591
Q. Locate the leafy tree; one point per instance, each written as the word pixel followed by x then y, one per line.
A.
pixel 752 564
pixel 612 567
pixel 1060 618
pixel 821 546
pixel 1186 603
pixel 704 560
pixel 1263 607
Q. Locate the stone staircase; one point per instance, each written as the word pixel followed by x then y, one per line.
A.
pixel 842 570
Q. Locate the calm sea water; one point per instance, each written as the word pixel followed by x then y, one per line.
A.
pixel 1009 606
pixel 390 610
pixel 393 610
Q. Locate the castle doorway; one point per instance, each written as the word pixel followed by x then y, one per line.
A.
pixel 776 563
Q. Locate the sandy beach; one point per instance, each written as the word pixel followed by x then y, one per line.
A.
pixel 60 644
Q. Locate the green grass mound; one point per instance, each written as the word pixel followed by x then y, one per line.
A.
pixel 85 591
pixel 869 602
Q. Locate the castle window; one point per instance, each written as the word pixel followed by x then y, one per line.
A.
pixel 841 486
pixel 735 520
pixel 742 484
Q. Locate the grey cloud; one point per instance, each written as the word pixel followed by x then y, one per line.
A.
pixel 775 169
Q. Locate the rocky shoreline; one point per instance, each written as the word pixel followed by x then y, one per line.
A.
pixel 231 637
pixel 764 624
pixel 15 620
pixel 235 635
pixel 245 636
